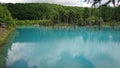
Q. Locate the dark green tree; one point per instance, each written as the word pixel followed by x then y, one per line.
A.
pixel 5 16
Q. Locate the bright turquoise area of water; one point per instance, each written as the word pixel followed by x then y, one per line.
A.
pixel 53 47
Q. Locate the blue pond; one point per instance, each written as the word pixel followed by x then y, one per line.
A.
pixel 58 47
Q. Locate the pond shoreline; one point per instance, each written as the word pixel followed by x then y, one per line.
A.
pixel 4 34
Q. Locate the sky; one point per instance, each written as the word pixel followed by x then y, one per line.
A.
pixel 80 3
pixel 62 2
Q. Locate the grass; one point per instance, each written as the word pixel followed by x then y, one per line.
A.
pixel 33 22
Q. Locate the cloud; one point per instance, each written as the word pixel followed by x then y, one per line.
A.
pixel 7 1
pixel 62 2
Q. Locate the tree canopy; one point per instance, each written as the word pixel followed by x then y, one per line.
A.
pixel 5 15
pixel 62 14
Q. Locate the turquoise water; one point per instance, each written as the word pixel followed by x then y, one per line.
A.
pixel 53 47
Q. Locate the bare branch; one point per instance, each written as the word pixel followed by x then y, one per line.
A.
pixel 99 1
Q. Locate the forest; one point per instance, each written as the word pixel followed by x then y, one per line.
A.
pixel 5 15
pixel 55 14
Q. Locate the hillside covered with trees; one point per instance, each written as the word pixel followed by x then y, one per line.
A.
pixel 5 15
pixel 6 22
pixel 64 14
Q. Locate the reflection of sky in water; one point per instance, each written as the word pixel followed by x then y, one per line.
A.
pixel 65 48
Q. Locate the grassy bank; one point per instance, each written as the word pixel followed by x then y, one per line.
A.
pixel 4 33
pixel 33 22
pixel 114 24
pixel 51 23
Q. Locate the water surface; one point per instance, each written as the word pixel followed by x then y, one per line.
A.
pixel 53 47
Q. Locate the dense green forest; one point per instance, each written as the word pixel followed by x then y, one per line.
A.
pixel 64 14
pixel 5 15
pixel 56 14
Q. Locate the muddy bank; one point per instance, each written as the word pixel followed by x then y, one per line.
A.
pixel 4 33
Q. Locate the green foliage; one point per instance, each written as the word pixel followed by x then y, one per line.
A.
pixel 62 14
pixel 81 21
pixel 91 20
pixel 86 13
pixel 43 11
pixel 5 16
pixel 33 22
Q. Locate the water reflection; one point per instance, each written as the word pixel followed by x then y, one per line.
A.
pixel 4 51
pixel 65 48
pixel 19 64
